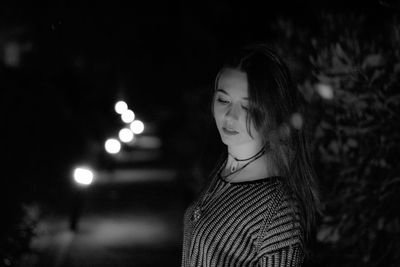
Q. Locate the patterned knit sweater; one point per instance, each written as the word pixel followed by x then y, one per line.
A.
pixel 243 224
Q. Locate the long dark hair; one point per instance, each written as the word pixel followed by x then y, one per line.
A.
pixel 276 108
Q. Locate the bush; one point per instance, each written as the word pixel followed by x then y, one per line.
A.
pixel 18 229
pixel 353 90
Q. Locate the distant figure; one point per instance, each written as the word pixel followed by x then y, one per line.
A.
pixel 261 203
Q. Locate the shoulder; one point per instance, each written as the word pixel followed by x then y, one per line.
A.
pixel 282 229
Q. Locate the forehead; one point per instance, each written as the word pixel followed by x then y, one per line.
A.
pixel 233 82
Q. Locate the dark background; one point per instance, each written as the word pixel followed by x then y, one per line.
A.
pixel 75 59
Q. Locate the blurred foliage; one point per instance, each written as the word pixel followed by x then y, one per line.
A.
pixel 18 228
pixel 354 97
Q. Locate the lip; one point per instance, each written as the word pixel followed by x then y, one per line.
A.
pixel 229 131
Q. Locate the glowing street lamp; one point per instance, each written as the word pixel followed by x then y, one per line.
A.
pixel 128 116
pixel 126 135
pixel 83 176
pixel 112 146
pixel 120 107
pixel 137 127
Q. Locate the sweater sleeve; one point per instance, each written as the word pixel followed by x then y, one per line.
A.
pixel 281 242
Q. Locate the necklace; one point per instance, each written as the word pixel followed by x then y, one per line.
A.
pixel 199 207
pixel 234 168
pixel 237 160
pixel 197 213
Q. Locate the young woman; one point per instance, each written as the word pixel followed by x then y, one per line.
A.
pixel 260 206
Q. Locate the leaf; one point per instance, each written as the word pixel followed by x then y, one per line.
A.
pixel 393 100
pixel 334 147
pixel 376 74
pixel 373 61
pixel 352 142
pixel 396 68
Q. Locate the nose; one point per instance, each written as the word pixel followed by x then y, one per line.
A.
pixel 233 112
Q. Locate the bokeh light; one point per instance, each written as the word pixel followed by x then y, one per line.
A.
pixel 112 146
pixel 83 176
pixel 120 107
pixel 11 54
pixel 324 90
pixel 137 127
pixel 296 120
pixel 128 116
pixel 126 135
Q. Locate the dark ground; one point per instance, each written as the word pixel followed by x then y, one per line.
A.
pixel 123 223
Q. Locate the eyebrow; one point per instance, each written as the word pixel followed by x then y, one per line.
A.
pixel 224 92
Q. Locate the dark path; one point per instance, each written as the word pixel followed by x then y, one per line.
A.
pixel 125 222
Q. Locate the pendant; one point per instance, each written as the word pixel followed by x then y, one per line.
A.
pixel 196 214
pixel 234 166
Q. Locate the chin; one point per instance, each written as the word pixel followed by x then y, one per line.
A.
pixel 230 142
pixel 226 140
pixel 227 143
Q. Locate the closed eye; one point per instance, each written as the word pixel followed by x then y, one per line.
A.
pixel 223 101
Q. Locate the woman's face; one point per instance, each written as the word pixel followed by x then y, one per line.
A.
pixel 230 110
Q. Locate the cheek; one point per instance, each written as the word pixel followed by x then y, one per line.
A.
pixel 243 122
pixel 218 113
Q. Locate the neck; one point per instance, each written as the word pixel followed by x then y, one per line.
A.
pixel 244 151
pixel 259 167
pixel 235 163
